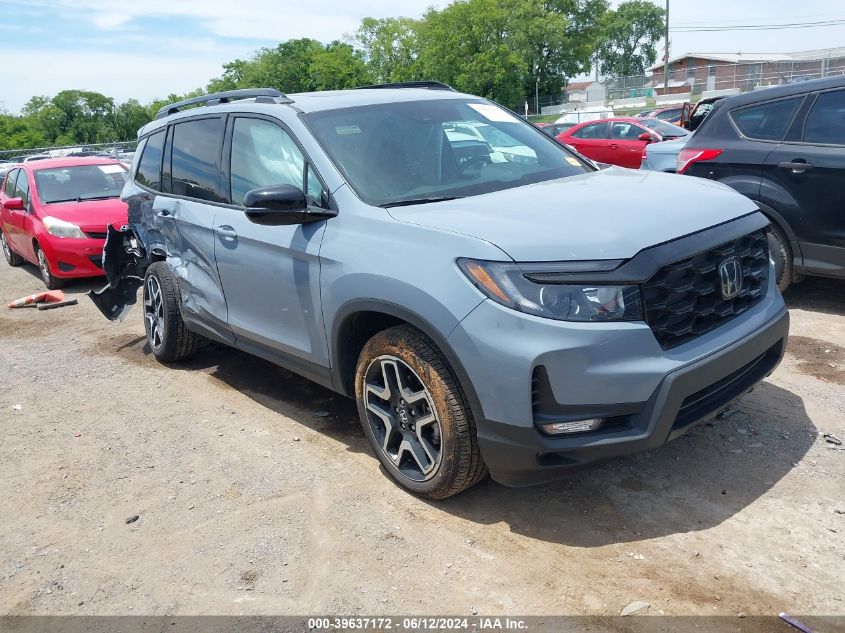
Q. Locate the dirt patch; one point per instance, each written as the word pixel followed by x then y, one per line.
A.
pixel 819 359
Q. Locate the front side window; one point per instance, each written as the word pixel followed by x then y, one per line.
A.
pixel 263 155
pixel 149 167
pixel 626 131
pixel 416 151
pixel 826 121
pixel 9 186
pixel 80 183
pixel 195 166
pixel 22 186
pixel 767 121
pixel 593 131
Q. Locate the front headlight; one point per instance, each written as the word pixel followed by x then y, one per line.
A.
pixel 60 228
pixel 507 284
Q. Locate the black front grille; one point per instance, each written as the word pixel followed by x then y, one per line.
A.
pixel 96 235
pixel 684 300
pixel 97 260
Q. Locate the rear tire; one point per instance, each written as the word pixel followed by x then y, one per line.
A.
pixel 168 337
pixel 52 282
pixel 415 414
pixel 782 257
pixel 12 258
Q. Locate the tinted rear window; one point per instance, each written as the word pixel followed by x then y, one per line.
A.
pixel 196 159
pixel 767 121
pixel 149 168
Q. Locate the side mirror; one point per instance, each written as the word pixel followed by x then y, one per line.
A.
pixel 276 205
pixel 645 137
pixel 13 204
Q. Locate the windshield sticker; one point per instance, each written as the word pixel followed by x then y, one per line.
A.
pixel 347 129
pixel 492 113
pixel 573 161
pixel 111 169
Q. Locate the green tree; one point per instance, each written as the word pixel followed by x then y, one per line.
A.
pixel 287 67
pixel 628 43
pixel 72 116
pixel 339 66
pixel 127 118
pixel 390 48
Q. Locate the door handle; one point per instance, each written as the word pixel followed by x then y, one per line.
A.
pixel 226 232
pixel 164 213
pixel 797 167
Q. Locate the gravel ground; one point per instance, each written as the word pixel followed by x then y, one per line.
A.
pixel 249 503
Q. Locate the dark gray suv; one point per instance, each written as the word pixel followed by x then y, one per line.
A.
pixel 491 300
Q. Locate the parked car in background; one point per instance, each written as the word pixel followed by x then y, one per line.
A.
pixel 672 114
pixel 663 156
pixel 553 129
pixel 665 129
pixel 617 141
pixel 525 317
pixel 693 116
pixel 783 147
pixel 593 113
pixel 55 213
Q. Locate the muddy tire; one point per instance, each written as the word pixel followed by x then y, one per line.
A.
pixel 51 281
pixel 782 256
pixel 168 337
pixel 415 415
pixel 12 258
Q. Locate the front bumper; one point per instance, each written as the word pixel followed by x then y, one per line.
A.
pixel 519 456
pixel 72 257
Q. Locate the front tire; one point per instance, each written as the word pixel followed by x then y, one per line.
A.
pixel 415 415
pixel 12 258
pixel 168 337
pixel 782 257
pixel 52 282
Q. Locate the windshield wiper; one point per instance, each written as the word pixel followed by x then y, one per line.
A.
pixel 410 201
pixel 81 199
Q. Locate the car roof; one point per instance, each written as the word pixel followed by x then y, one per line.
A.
pixel 51 163
pixel 787 90
pixel 307 102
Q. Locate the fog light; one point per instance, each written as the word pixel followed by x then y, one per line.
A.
pixel 579 426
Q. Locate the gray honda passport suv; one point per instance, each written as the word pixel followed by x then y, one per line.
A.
pixel 491 300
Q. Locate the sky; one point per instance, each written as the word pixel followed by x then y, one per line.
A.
pixel 147 49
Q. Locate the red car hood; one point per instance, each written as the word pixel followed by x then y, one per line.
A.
pixel 91 214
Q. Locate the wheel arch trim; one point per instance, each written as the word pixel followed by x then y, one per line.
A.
pixel 355 306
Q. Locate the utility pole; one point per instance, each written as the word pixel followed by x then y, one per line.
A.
pixel 666 53
pixel 537 96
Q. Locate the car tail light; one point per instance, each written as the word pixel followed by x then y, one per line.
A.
pixel 687 157
pixel 644 155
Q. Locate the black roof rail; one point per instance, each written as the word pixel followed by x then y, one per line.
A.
pixel 430 85
pixel 261 95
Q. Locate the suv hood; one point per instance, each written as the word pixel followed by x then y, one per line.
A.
pixel 609 214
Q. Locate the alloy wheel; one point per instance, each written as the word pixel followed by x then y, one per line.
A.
pixel 402 418
pixel 7 252
pixel 154 312
pixel 44 267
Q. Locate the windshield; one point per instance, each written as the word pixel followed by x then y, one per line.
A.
pixel 666 130
pixel 81 182
pixel 422 151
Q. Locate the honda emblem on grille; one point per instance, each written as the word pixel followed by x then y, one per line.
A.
pixel 730 273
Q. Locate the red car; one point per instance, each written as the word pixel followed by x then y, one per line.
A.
pixel 55 213
pixel 620 140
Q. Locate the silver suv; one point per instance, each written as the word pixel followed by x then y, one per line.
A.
pixel 491 301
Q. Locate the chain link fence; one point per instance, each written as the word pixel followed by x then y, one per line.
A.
pixel 102 149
